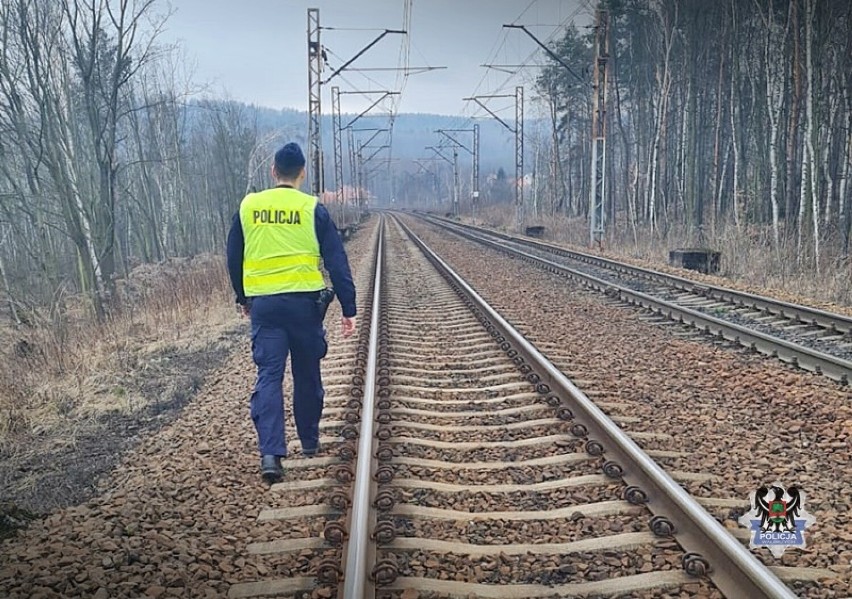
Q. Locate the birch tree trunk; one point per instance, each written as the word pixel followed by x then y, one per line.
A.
pixel 774 109
pixel 825 158
pixel 793 122
pixel 809 183
pixel 846 171
pixel 718 163
pixel 664 87
pixel 735 186
pixel 681 182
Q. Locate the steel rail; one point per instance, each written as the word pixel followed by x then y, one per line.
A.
pixel 732 568
pixel 806 314
pixel 356 558
pixel 827 365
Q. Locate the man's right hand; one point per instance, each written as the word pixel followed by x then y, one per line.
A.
pixel 348 326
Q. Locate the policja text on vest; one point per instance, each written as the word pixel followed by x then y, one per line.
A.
pixel 277 217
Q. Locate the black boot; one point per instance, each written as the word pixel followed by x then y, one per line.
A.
pixel 270 469
pixel 312 451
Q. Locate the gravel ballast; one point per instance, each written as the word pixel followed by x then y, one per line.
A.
pixel 744 418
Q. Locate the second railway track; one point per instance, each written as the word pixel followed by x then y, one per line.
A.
pixel 807 337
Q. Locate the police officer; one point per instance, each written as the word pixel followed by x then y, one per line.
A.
pixel 274 250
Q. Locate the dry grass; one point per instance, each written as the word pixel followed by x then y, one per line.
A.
pixel 748 261
pixel 68 368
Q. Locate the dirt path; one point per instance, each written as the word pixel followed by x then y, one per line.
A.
pixel 57 467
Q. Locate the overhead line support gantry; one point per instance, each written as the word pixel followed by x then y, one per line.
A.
pixel 317 56
pixel 337 131
pixel 597 199
pixel 518 130
pixel 598 191
pixel 475 156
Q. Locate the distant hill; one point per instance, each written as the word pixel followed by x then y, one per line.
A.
pixel 411 134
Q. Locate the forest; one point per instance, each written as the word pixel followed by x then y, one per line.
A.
pixel 111 156
pixel 720 115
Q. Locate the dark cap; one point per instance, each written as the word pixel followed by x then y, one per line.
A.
pixel 289 159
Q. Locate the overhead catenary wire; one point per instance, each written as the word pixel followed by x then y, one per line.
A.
pixel 528 136
pixel 509 80
pixel 324 28
pixel 500 46
pixel 401 82
pixel 391 104
pixel 521 135
pixel 391 111
pixel 348 82
pixel 525 11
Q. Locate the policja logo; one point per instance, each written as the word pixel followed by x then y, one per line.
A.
pixel 777 518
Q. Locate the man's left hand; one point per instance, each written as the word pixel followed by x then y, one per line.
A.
pixel 348 326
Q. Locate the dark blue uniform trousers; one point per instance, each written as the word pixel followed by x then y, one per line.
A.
pixel 282 324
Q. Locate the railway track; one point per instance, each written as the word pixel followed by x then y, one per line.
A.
pixel 460 462
pixel 806 337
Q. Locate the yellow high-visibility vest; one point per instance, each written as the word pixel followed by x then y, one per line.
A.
pixel 281 252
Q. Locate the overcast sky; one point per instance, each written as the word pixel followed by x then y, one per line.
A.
pixel 256 50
